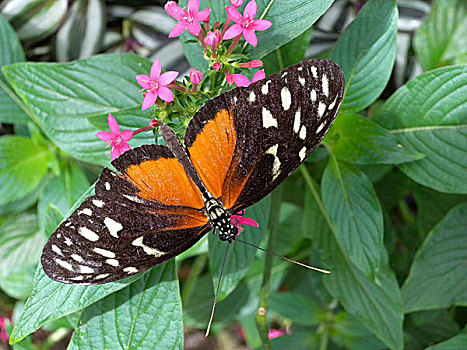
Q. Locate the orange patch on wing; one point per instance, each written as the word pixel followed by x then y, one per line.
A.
pixel 212 151
pixel 165 181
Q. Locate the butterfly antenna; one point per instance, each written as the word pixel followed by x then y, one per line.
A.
pixel 284 258
pixel 217 291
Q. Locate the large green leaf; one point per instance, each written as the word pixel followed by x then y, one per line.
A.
pixel 455 343
pixel 145 315
pixel 356 215
pixel 366 52
pixel 438 276
pixel 429 115
pixel 361 141
pixel 11 52
pixel 441 39
pixel 240 255
pixel 63 97
pixel 23 164
pixel 375 302
pixel 21 244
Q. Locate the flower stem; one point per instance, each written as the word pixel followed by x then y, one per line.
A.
pixel 273 228
pixel 235 42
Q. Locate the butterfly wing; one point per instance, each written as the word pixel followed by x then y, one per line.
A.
pixel 245 142
pixel 137 219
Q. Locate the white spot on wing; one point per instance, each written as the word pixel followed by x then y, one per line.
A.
pixel 300 69
pixel 112 262
pixel 325 85
pixel 85 269
pixel 85 211
pixel 296 122
pixel 56 249
pixel 268 119
pixel 313 95
pixel 321 108
pixel 138 242
pixel 104 252
pixel 302 153
pixel 88 234
pixel 286 98
pixel 101 276
pixel 113 226
pixel 284 74
pixel 130 269
pixel 302 80
pixel 314 71
pixel 133 198
pixel 107 186
pixel 276 165
pixel 64 264
pixel 77 278
pixel 302 134
pixel 320 127
pixel 68 241
pixel 265 88
pixel 98 203
pixel 331 106
pixel 77 257
pixel 252 97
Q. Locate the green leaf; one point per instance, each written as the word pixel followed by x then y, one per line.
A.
pixel 287 55
pixel 23 165
pixel 52 300
pixel 375 302
pixel 358 140
pixel 64 96
pixel 240 255
pixel 366 52
pixel 441 38
pixel 455 343
pixel 355 212
pixel 145 315
pixel 298 308
pixel 52 219
pixel 21 244
pixel 23 203
pixel 427 115
pixel 11 52
pixel 438 276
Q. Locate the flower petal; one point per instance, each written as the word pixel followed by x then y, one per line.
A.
pixel 250 36
pixel 233 31
pixel 193 6
pixel 167 77
pixel 165 94
pixel 144 81
pixel 155 70
pixel 177 30
pixel 203 15
pixel 149 99
pixel 105 136
pixel 250 10
pixel 114 153
pixel 174 10
pixel 113 125
pixel 124 147
pixel 260 24
pixel 126 135
pixel 234 15
pixel 194 28
pixel 241 80
pixel 247 222
pixel 259 75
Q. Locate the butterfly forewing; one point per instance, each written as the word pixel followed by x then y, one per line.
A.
pixel 241 145
pixel 275 124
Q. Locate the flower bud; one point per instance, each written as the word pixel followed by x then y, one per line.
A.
pixel 216 66
pixel 195 76
pixel 213 39
pixel 236 3
pixel 253 64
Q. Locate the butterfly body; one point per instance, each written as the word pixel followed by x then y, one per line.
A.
pixel 237 149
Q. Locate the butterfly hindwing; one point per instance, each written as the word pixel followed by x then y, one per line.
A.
pixel 259 135
pixel 128 226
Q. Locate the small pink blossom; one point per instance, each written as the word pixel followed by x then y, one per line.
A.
pixel 117 140
pixel 155 84
pixel 238 220
pixel 274 333
pixel 236 3
pixel 246 24
pixel 187 19
pixel 241 80
pixel 195 76
pixel 216 66
pixel 3 333
pixel 213 39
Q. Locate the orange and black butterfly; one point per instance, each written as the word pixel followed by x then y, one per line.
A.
pixel 237 149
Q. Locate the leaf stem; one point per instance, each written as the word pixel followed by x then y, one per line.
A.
pixel 198 266
pixel 273 228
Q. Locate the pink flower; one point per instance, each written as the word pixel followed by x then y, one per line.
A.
pixel 241 80
pixel 216 66
pixel 253 64
pixel 3 333
pixel 156 83
pixel 245 24
pixel 238 220
pixel 188 19
pixel 117 140
pixel 195 76
pixel 213 39
pixel 274 333
pixel 236 3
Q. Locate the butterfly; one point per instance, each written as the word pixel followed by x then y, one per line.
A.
pixel 237 149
